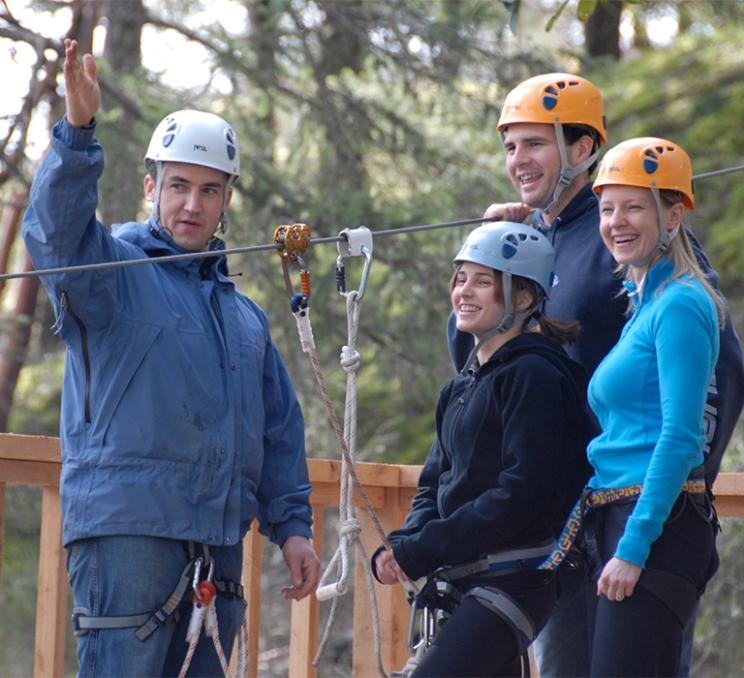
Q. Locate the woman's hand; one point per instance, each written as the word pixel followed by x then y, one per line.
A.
pixel 388 571
pixel 618 579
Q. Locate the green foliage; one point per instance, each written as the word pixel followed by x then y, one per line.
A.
pixel 692 93
pixel 38 398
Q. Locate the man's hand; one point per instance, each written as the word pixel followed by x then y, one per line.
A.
pixel 618 579
pixel 303 566
pixel 508 211
pixel 388 571
pixel 82 93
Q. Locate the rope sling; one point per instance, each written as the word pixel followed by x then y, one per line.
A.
pixel 204 615
pixel 292 242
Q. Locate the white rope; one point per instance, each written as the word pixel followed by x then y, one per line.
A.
pixel 206 616
pixel 340 566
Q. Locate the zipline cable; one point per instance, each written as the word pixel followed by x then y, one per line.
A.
pixel 125 263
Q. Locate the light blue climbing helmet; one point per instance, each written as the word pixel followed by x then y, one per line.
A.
pixel 513 249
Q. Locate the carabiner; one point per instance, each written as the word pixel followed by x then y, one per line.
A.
pixel 197 574
pixel 354 242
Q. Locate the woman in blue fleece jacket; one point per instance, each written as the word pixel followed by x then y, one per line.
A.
pixel 507 461
pixel 655 548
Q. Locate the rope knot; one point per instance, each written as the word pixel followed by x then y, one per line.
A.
pixel 350 528
pixel 350 359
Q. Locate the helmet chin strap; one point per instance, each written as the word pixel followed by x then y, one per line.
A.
pixel 568 172
pixel 223 223
pixel 156 192
pixel 508 320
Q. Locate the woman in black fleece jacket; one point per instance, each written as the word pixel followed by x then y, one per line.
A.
pixel 508 460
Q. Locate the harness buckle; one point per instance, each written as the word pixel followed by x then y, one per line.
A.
pixel 77 612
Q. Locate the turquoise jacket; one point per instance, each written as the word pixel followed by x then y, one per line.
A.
pixel 178 417
pixel 649 394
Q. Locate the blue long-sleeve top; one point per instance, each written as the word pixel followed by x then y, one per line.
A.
pixel 649 394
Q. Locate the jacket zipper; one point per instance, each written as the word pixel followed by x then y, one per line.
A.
pixel 65 304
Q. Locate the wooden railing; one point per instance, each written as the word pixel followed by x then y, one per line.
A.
pixel 35 460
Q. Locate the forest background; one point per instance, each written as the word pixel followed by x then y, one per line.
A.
pixel 350 113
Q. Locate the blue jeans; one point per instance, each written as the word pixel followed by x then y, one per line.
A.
pixel 563 647
pixel 130 575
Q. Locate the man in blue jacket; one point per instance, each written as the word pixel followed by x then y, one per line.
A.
pixel 552 127
pixel 179 423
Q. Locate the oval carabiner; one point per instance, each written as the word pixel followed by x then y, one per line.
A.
pixel 354 242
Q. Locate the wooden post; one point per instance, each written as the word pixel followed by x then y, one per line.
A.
pixel 305 616
pixel 391 601
pixel 51 602
pixel 252 565
pixel 2 530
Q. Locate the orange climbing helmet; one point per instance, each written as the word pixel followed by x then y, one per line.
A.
pixel 648 162
pixel 555 98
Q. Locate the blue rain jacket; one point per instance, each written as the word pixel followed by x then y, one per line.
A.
pixel 178 417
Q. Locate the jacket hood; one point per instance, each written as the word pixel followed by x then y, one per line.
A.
pixel 151 239
pixel 536 343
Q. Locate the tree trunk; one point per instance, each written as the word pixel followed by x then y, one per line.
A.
pixel 121 183
pixel 11 219
pixel 602 29
pixel 17 333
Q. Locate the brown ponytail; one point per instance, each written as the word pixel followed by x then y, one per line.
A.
pixel 563 333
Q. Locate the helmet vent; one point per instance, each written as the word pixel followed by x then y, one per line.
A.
pixel 508 250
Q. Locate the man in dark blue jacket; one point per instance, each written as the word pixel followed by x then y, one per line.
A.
pixel 552 127
pixel 179 423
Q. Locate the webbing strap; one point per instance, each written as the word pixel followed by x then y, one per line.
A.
pixel 83 622
pixel 678 594
pixel 593 499
pixel 503 562
pixel 161 615
pixel 504 605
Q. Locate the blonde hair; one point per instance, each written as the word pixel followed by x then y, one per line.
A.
pixel 684 261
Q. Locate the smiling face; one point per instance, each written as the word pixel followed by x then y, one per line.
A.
pixel 476 299
pixel 533 161
pixel 192 198
pixel 629 225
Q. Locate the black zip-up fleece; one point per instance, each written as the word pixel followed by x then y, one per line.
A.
pixel 508 460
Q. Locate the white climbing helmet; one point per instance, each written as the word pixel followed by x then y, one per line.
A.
pixel 198 138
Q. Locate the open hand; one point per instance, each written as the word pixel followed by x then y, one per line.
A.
pixel 82 93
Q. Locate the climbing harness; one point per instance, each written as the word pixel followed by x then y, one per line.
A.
pixel 204 590
pixel 441 595
pixel 593 499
